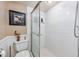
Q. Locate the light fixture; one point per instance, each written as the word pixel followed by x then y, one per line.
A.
pixel 49 2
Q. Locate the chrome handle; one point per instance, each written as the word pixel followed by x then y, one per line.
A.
pixel 75 25
pixel 76 31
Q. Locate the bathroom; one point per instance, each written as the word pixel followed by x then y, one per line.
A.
pixel 48 29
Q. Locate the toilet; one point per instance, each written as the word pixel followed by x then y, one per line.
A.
pixel 21 48
pixel 24 53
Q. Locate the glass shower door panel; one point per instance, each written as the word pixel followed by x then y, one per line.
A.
pixel 35 33
pixel 35 25
pixel 35 45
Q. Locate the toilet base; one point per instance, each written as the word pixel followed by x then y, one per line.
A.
pixel 24 53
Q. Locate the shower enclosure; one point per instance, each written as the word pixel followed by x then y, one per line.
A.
pixel 35 31
pixel 55 28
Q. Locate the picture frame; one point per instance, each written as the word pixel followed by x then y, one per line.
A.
pixel 17 18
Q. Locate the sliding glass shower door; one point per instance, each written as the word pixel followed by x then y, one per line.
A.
pixel 35 32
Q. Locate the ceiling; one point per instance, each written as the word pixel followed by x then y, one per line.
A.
pixel 44 6
pixel 28 3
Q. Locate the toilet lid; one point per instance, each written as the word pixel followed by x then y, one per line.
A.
pixel 24 53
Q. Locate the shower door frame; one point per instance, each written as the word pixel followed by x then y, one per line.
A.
pixel 38 4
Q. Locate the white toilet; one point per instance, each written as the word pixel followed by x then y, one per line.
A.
pixel 21 48
pixel 24 53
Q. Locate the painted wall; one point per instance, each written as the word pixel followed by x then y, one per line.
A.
pixel 60 38
pixel 29 9
pixel 42 30
pixel 2 20
pixel 17 7
pixel 5 28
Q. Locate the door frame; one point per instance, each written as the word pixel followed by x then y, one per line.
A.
pixel 38 4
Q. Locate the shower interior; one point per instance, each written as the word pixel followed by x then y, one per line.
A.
pixel 53 29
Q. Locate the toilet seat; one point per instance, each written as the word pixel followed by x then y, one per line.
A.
pixel 24 53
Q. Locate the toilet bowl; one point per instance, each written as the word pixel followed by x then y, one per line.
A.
pixel 24 53
pixel 21 48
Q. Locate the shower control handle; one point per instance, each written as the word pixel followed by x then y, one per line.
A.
pixel 76 31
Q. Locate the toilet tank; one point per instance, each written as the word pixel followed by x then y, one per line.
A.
pixel 21 45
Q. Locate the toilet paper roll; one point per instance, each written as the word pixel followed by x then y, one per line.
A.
pixel 3 53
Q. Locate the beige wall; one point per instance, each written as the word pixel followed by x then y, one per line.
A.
pixel 2 20
pixel 17 7
pixel 5 28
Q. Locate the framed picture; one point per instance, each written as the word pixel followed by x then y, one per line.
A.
pixel 17 18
